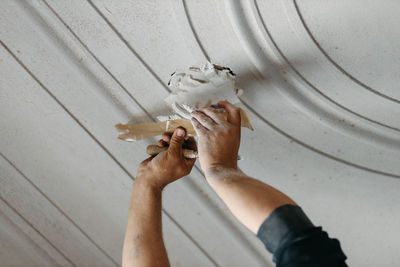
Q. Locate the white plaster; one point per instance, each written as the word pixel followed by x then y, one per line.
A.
pixel 199 86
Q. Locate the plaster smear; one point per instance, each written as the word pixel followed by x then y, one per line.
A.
pixel 200 86
pixel 193 88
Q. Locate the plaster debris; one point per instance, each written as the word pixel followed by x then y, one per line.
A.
pixel 201 86
pixel 193 88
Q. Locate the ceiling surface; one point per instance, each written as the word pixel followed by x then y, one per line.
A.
pixel 321 85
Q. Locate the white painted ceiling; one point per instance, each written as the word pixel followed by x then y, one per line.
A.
pixel 321 84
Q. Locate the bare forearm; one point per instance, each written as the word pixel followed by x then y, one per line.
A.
pixel 144 244
pixel 250 200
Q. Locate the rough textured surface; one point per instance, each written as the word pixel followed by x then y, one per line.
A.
pixel 197 87
pixel 320 83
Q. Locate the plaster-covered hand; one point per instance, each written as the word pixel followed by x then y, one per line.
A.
pixel 219 138
pixel 170 165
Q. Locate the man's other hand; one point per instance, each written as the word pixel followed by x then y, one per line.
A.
pixel 219 138
pixel 170 165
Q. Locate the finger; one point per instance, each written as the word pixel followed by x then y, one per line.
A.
pixel 200 129
pixel 190 143
pixel 177 139
pixel 204 120
pixel 214 114
pixel 165 137
pixel 233 112
pixel 162 143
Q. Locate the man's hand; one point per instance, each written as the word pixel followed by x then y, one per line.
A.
pixel 219 138
pixel 169 165
pixel 144 245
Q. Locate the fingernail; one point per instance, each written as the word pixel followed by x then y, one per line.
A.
pixel 180 132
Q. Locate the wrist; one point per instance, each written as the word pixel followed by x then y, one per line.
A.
pixel 148 183
pixel 218 172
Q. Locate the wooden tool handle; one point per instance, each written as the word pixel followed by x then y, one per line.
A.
pixel 153 150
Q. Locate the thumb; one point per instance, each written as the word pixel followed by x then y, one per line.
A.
pixel 177 139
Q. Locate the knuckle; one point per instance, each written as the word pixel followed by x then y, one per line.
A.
pixel 197 114
pixel 173 141
pixel 210 109
pixel 195 123
pixel 202 116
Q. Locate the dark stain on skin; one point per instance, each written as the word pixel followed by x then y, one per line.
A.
pixel 138 237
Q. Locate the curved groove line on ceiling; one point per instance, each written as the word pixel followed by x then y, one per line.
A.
pixel 313 148
pixel 337 65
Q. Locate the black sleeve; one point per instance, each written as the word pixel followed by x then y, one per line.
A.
pixel 295 241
